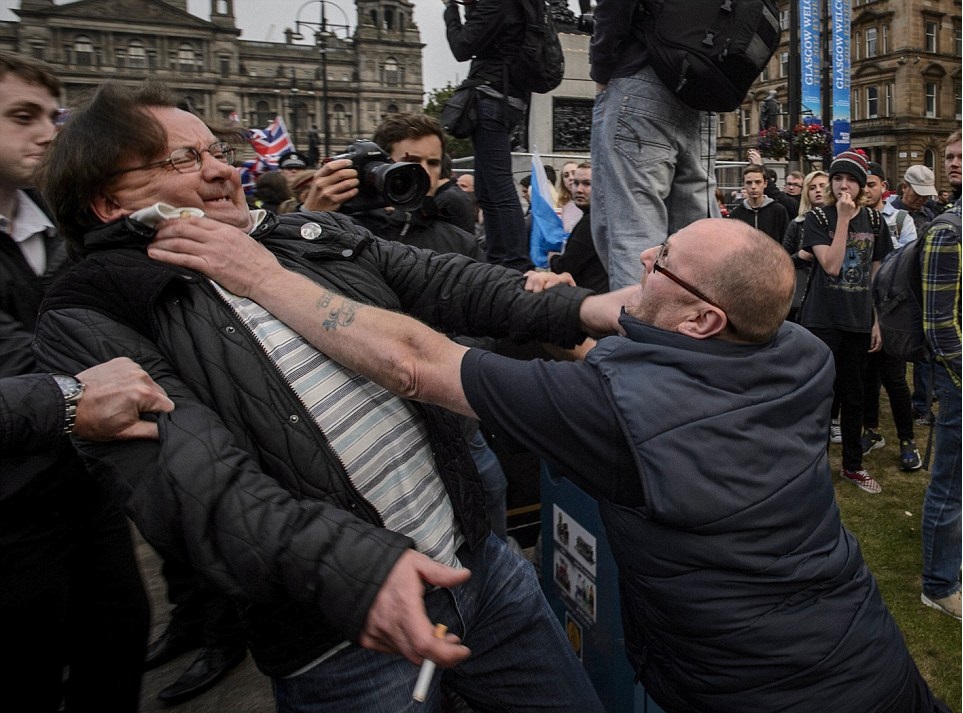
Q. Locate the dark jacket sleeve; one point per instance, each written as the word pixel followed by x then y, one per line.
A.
pixel 31 415
pixel 458 295
pixel 482 26
pixel 15 355
pixel 197 493
pixel 613 43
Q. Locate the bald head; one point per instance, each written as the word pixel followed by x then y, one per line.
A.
pixel 738 283
pixel 747 272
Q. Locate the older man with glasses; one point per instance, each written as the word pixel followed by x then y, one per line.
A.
pixel 701 430
pixel 325 504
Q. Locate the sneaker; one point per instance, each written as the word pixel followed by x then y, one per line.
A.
pixel 871 440
pixel 909 456
pixel 835 432
pixel 948 605
pixel 862 480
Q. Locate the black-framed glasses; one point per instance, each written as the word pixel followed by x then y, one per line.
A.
pixel 188 159
pixel 659 266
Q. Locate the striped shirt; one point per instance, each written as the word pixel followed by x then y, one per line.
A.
pixel 379 437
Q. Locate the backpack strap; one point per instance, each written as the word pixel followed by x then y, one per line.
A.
pixel 821 216
pixel 900 219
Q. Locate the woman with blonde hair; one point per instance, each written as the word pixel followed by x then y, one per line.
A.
pixel 571 213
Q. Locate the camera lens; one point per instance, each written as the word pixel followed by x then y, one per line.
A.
pixel 403 185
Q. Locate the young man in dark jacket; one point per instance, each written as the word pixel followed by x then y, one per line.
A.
pixel 741 589
pixel 759 210
pixel 71 592
pixel 320 500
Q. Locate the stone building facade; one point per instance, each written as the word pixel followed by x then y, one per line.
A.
pixel 373 67
pixel 906 70
pixel 905 79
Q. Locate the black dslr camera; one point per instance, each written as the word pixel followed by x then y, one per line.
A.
pixel 383 183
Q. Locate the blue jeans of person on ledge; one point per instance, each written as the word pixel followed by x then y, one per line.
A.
pixel 520 659
pixel 505 233
pixel 941 507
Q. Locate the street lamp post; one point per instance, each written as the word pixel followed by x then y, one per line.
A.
pixel 322 40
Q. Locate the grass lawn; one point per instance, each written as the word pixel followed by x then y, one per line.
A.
pixel 887 526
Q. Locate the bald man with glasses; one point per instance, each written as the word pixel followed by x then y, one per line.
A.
pixel 701 429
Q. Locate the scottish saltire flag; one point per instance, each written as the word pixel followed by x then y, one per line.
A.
pixel 272 141
pixel 547 235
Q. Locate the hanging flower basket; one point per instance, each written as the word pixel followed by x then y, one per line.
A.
pixel 812 140
pixel 773 143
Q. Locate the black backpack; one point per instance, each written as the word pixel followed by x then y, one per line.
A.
pixel 709 52
pixel 898 295
pixel 540 63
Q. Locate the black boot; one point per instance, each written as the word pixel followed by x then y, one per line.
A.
pixel 210 666
pixel 171 644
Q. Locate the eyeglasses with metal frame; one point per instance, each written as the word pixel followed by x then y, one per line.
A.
pixel 188 159
pixel 659 266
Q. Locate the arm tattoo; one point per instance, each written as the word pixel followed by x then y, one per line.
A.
pixel 341 316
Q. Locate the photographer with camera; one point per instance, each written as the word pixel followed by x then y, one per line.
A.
pixel 388 186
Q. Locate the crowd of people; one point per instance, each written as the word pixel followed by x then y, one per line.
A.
pixel 294 402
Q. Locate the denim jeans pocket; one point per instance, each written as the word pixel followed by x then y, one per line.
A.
pixel 640 149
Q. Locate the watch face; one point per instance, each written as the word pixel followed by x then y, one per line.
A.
pixel 69 386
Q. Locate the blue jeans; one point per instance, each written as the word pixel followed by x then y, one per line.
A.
pixel 941 507
pixel 922 375
pixel 505 231
pixel 494 483
pixel 653 162
pixel 520 660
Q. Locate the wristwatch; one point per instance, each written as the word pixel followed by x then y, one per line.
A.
pixel 72 389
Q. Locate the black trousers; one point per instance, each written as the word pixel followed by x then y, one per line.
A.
pixel 73 612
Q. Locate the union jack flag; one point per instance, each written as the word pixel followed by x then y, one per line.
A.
pixel 272 141
pixel 250 170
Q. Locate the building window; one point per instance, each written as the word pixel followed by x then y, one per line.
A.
pixel 930 36
pixel 957 39
pixel 854 103
pixel 888 109
pixel 930 100
pixel 389 15
pixel 136 55
pixel 857 45
pixel 342 122
pixel 885 40
pixel 744 119
pixel 224 63
pixel 765 73
pixel 36 51
pixel 263 114
pixel 958 96
pixel 871 49
pixel 391 109
pixel 120 59
pixel 929 159
pixel 186 58
pixel 83 51
pixel 391 72
pixel 784 64
pixel 872 102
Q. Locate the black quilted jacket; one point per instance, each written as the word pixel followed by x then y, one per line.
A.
pixel 241 481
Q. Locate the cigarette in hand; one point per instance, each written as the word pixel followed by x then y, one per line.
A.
pixel 427 670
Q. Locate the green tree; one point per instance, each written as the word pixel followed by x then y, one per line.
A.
pixel 434 103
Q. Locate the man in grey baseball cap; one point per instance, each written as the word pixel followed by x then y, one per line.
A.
pixel 917 186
